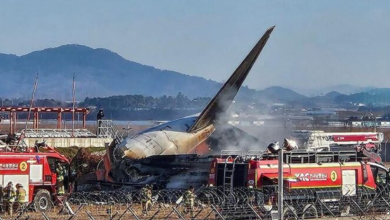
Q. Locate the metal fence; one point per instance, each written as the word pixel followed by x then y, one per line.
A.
pixel 213 203
pixel 107 129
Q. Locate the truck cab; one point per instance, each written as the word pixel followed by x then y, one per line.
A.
pixel 36 171
pixel 381 174
pixel 53 163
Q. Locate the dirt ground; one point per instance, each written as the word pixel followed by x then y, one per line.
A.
pixel 100 212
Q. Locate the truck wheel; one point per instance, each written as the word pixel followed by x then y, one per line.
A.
pixel 42 201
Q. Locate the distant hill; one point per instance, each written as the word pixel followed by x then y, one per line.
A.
pixel 345 89
pixel 329 97
pixel 377 97
pixel 99 72
pixel 278 94
pixel 332 95
pixel 102 73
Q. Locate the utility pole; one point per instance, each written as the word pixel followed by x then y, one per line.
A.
pixel 31 101
pixel 73 100
pixel 280 184
pixel 386 150
pixel 372 115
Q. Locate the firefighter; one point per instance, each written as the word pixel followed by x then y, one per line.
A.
pixel 380 178
pixel 189 200
pixel 9 198
pixel 99 117
pixel 60 180
pixel 20 195
pixel 146 199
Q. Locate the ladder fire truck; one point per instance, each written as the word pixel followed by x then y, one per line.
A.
pixel 316 140
pixel 308 176
pixel 35 169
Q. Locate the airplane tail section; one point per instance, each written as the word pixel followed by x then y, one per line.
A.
pixel 222 100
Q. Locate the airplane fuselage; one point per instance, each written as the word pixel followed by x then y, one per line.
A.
pixel 168 138
pixel 184 135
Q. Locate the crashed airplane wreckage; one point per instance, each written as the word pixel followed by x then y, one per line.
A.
pixel 160 154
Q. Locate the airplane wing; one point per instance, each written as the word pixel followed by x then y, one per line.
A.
pixel 221 102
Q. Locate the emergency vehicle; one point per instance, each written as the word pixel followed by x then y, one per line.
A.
pixel 316 140
pixel 36 171
pixel 308 176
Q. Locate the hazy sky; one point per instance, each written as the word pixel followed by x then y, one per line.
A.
pixel 314 44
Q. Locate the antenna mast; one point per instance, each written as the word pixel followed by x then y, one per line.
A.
pixel 32 100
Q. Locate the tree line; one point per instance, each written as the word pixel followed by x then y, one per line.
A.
pixel 140 102
pixel 126 107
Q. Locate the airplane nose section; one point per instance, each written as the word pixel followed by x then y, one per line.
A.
pixel 129 149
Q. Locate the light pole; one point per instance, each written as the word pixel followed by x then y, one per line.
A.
pixel 374 121
pixel 386 150
pixel 274 148
pixel 280 184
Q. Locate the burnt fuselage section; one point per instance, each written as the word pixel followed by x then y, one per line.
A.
pixel 166 171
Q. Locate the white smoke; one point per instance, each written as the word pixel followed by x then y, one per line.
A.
pixel 244 137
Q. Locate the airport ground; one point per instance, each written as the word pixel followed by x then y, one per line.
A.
pixel 157 212
pixel 101 212
pixel 88 211
pixel 266 134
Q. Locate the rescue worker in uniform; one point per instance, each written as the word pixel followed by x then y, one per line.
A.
pixel 60 180
pixel 20 195
pixel 99 117
pixel 189 201
pixel 9 198
pixel 146 198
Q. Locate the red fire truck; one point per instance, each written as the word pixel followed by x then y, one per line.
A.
pixel 36 171
pixel 335 173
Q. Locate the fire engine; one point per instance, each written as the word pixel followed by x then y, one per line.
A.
pixel 319 140
pixel 334 173
pixel 36 171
